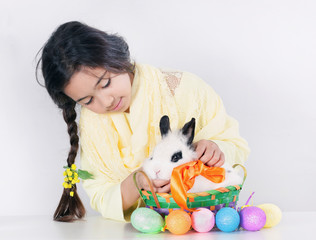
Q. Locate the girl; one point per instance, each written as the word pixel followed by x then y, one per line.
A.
pixel 121 105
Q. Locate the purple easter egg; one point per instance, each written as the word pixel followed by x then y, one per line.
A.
pixel 252 218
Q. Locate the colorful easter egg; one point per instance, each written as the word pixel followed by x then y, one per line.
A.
pixel 178 222
pixel 252 218
pixel 147 220
pixel 203 220
pixel 273 214
pixel 227 219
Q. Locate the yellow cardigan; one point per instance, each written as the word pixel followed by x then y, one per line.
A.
pixel 114 145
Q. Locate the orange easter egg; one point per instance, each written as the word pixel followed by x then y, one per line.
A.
pixel 178 222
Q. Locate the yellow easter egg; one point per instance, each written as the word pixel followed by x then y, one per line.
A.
pixel 273 214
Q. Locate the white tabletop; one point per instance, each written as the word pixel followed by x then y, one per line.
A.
pixel 294 225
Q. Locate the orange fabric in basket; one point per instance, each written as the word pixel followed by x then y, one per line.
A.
pixel 183 177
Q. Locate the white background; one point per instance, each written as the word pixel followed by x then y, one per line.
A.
pixel 259 56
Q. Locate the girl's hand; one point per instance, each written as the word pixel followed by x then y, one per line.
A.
pixel 209 153
pixel 159 185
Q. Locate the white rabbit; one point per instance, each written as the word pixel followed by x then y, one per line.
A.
pixel 175 149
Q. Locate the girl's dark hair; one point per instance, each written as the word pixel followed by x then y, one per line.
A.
pixel 72 46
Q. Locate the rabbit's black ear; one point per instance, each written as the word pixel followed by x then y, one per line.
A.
pixel 164 125
pixel 188 130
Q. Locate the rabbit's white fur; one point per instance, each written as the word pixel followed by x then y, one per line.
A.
pixel 160 166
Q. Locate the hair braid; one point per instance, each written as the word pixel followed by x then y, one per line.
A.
pixel 70 115
pixel 70 208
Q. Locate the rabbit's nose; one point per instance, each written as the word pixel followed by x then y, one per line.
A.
pixel 157 172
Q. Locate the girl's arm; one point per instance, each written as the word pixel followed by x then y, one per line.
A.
pixel 217 134
pixel 130 193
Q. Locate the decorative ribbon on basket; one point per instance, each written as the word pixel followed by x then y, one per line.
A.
pixel 183 178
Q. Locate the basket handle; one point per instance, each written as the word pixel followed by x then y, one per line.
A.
pixel 150 186
pixel 245 172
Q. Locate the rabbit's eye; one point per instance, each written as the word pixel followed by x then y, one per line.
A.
pixel 176 156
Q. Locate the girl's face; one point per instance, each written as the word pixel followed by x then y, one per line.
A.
pixel 100 90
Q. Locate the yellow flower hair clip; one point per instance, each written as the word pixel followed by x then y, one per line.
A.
pixel 72 177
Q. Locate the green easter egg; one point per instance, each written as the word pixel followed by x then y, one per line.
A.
pixel 147 220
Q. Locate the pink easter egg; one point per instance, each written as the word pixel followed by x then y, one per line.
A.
pixel 202 220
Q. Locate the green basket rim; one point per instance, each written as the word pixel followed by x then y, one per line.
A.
pixel 199 201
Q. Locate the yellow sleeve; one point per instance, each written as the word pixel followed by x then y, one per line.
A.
pixel 105 197
pixel 213 123
pixel 97 157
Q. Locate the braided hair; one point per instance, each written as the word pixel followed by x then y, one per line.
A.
pixel 72 46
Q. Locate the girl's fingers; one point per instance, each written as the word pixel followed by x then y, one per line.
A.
pixel 145 186
pixel 200 149
pixel 208 155
pixel 215 158
pixel 164 189
pixel 221 161
pixel 160 182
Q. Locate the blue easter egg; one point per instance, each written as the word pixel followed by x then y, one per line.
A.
pixel 147 220
pixel 227 219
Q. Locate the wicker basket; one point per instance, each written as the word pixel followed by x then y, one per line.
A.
pixel 213 199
